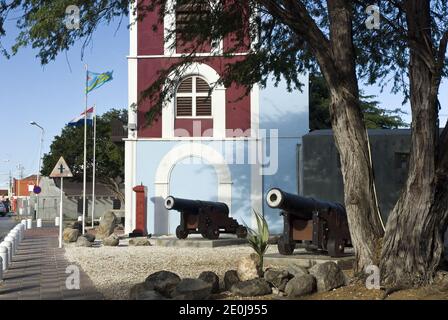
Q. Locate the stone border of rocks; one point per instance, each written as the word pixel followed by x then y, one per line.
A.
pixel 294 282
pixel 104 234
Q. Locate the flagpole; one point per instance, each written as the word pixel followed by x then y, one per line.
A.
pixel 94 165
pixel 85 156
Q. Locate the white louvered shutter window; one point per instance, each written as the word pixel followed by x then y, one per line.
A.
pixel 193 98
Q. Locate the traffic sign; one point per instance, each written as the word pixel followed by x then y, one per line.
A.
pixel 37 190
pixel 61 170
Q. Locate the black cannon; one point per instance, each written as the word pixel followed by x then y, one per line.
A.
pixel 209 219
pixel 319 225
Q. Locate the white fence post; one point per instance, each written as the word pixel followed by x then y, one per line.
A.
pixel 4 256
pixel 9 238
pixel 1 269
pixel 8 246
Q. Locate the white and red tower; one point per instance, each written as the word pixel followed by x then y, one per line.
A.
pixel 201 130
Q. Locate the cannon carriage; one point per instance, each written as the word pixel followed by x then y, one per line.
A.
pixel 207 218
pixel 319 225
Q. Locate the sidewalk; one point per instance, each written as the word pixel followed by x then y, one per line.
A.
pixel 38 271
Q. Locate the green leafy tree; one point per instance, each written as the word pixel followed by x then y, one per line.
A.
pixel 408 48
pixel 375 117
pixel 290 37
pixel 109 155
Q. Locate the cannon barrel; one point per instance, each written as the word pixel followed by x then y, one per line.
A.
pixel 193 206
pixel 297 205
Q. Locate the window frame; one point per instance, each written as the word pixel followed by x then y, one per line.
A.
pixel 193 95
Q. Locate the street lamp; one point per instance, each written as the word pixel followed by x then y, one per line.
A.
pixel 34 123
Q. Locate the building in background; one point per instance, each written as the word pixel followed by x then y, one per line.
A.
pixel 321 175
pixel 49 200
pixel 210 142
pixel 21 187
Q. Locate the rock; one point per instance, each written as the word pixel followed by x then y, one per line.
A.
pixel 139 242
pixel 111 241
pixel 163 282
pixel 249 268
pixel 251 288
pixel 77 225
pixel 107 225
pixel 192 289
pixel 301 285
pixel 211 278
pixel 83 242
pixel 328 275
pixel 70 235
pixel 297 270
pixel 89 237
pixel 230 278
pixel 139 292
pixel 278 278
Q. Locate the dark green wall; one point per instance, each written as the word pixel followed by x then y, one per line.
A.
pixel 322 176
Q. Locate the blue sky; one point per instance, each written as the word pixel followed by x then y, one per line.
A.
pixel 54 94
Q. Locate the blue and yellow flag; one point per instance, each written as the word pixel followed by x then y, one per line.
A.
pixel 96 80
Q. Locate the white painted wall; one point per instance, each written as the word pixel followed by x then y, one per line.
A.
pixel 288 114
pixel 233 188
pixel 192 181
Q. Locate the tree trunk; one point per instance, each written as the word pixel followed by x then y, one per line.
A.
pixel 336 59
pixel 351 140
pixel 114 186
pixel 413 240
pixel 362 211
pixel 440 206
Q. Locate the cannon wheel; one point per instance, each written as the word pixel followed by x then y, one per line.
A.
pixel 335 247
pixel 241 232
pixel 285 248
pixel 181 233
pixel 212 233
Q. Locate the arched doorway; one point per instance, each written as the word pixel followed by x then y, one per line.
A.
pixel 164 172
pixel 205 187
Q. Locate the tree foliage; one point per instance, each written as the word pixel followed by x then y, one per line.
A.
pixel 375 117
pixel 109 155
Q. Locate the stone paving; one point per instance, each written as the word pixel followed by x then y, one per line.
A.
pixel 38 271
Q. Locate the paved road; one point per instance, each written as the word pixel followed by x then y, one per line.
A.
pixel 39 271
pixel 6 224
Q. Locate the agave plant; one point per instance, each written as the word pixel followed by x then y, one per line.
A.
pixel 258 239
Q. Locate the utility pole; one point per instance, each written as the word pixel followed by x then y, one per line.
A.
pixel 10 186
pixel 20 168
pixel 34 123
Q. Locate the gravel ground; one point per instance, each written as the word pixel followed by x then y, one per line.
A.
pixel 114 270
